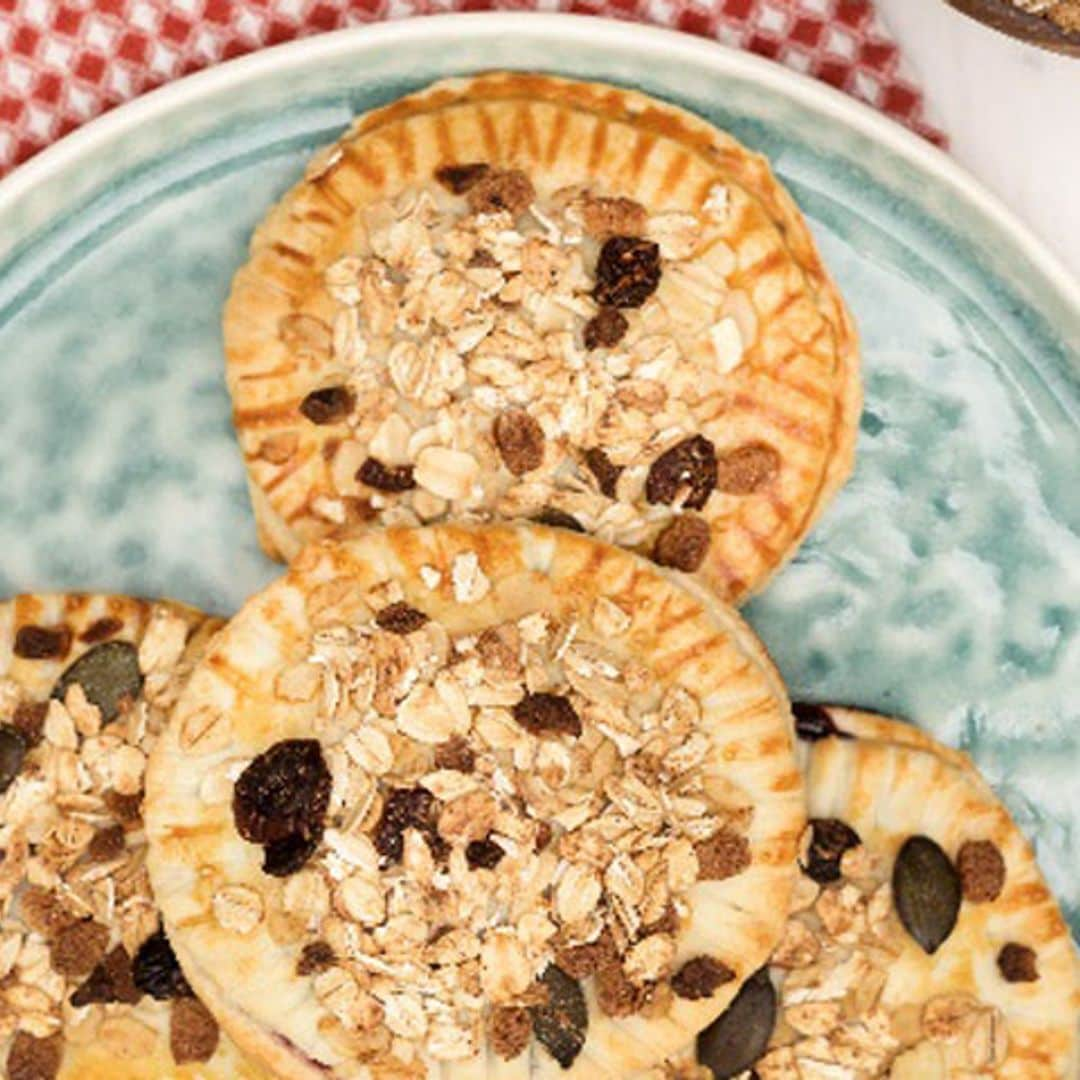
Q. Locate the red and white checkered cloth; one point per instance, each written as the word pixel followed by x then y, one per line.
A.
pixel 63 62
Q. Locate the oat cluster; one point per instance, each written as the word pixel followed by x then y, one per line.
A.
pixel 511 813
pixel 80 944
pixel 494 351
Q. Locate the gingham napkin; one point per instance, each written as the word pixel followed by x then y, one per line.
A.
pixel 63 63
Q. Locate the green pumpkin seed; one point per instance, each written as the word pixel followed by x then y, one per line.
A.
pixel 561 1024
pixel 12 754
pixel 739 1035
pixel 926 892
pixel 108 673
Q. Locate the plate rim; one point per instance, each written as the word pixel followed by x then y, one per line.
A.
pixel 837 105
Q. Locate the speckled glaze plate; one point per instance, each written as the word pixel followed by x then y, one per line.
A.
pixel 943 583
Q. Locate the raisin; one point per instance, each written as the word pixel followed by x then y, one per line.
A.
pixel 127 809
pixel 316 956
pixel 101 630
pixel 459 178
pixel 814 722
pixel 29 719
pixel 109 675
pixel 12 754
pixel 542 713
pixel 627 272
pixel 501 189
pixel 284 791
pixel 603 216
pixel 605 329
pixel 559 519
pixel 560 1025
pixel 393 478
pixel 156 971
pixel 544 835
pixel 509 1030
pixel 829 840
pixel 688 466
pixel 455 754
pixel 482 259
pixel 746 469
pixel 520 440
pixel 607 474
pixel 982 870
pixel 723 855
pixel 400 618
pixel 42 642
pixel 31 1058
pixel 287 856
pixel 700 978
pixel 328 405
pixel 78 948
pixel 1017 963
pixel 684 544
pixel 111 981
pixel 193 1032
pixel 484 854
pixel 404 808
pixel 106 844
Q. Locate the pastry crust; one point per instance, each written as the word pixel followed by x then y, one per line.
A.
pixel 795 389
pixel 117 1041
pixel 889 781
pixel 709 652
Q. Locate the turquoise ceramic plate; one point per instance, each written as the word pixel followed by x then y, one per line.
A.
pixel 943 583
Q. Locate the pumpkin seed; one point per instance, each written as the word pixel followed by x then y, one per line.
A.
pixel 108 673
pixel 561 1024
pixel 12 754
pixel 739 1035
pixel 926 891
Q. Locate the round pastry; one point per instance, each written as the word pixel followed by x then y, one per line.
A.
pixel 923 943
pixel 516 296
pixel 466 802
pixel 91 988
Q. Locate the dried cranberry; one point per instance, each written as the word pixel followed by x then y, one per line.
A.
pixel 607 474
pixel 627 272
pixel 156 971
pixel 400 618
pixel 484 854
pixel 393 478
pixel 289 854
pixel 688 466
pixel 404 808
pixel 101 630
pixel 700 978
pixel 328 405
pixel 542 713
pixel 459 178
pixel 283 792
pixel 42 642
pixel 829 840
pixel 316 956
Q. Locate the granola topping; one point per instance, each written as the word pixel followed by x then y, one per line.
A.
pixel 80 945
pixel 513 812
pixel 835 1016
pixel 500 351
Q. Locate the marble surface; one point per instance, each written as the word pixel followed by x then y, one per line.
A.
pixel 1011 110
